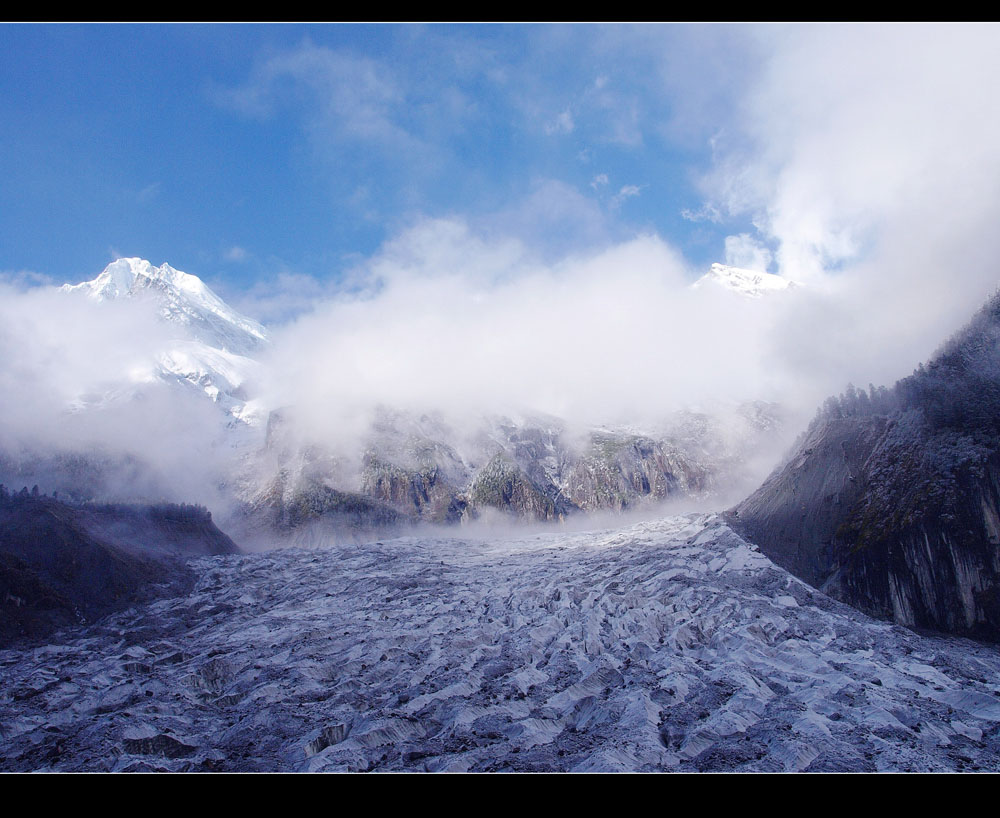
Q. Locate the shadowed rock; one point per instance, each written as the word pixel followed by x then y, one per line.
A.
pixel 63 565
pixel 891 501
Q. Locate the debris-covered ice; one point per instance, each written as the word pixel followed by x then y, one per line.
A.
pixel 669 645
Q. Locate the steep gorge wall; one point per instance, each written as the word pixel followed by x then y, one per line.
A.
pixel 891 516
pixel 937 565
pixel 795 514
pixel 891 501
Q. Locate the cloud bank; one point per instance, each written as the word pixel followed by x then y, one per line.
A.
pixel 76 377
pixel 865 157
pixel 443 319
pixel 860 160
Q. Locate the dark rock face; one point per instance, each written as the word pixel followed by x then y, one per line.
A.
pixel 796 513
pixel 891 501
pixel 62 565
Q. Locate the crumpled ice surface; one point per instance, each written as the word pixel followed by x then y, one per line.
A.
pixel 667 645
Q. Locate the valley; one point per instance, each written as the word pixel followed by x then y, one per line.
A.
pixel 668 645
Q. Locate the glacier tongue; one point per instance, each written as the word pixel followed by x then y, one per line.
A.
pixel 667 645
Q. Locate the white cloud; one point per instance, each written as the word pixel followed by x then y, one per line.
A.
pixel 620 113
pixel 746 252
pixel 448 319
pixel 848 127
pixel 21 280
pixel 560 124
pixel 59 350
pixel 148 193
pixel 866 157
pixel 344 96
pixel 282 297
pixel 236 253
pixel 554 218
pixel 706 213
pixel 626 192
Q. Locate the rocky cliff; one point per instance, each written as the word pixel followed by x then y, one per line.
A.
pixel 891 500
pixel 66 565
pixel 418 469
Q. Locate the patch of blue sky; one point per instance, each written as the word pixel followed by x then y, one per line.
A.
pixel 238 152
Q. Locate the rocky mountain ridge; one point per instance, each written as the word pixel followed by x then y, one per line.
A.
pixel 215 348
pixel 891 500
pixel 407 469
pixel 419 470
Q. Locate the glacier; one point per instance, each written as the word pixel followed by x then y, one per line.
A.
pixel 668 645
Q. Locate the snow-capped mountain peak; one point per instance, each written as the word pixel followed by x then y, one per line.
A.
pixel 214 346
pixel 182 298
pixel 748 283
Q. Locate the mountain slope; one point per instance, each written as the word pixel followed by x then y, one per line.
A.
pixel 530 469
pixel 214 347
pixel 66 565
pixel 891 501
pixel 182 299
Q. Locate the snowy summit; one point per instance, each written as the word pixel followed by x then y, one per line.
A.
pixel 214 347
pixel 748 283
pixel 183 299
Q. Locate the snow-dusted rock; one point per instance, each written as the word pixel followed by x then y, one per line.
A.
pixel 212 352
pixel 181 298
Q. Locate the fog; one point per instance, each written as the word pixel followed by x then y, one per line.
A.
pixel 864 157
pixel 444 320
pixel 78 378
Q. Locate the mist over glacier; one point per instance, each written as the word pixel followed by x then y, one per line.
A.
pixel 473 333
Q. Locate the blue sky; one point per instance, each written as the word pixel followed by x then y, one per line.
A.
pixel 276 162
pixel 238 152
pixel 433 215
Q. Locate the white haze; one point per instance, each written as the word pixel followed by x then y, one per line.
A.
pixel 76 378
pixel 444 320
pixel 866 158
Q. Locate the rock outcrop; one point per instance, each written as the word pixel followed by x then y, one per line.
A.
pixel 418 469
pixel 65 565
pixel 504 486
pixel 891 500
